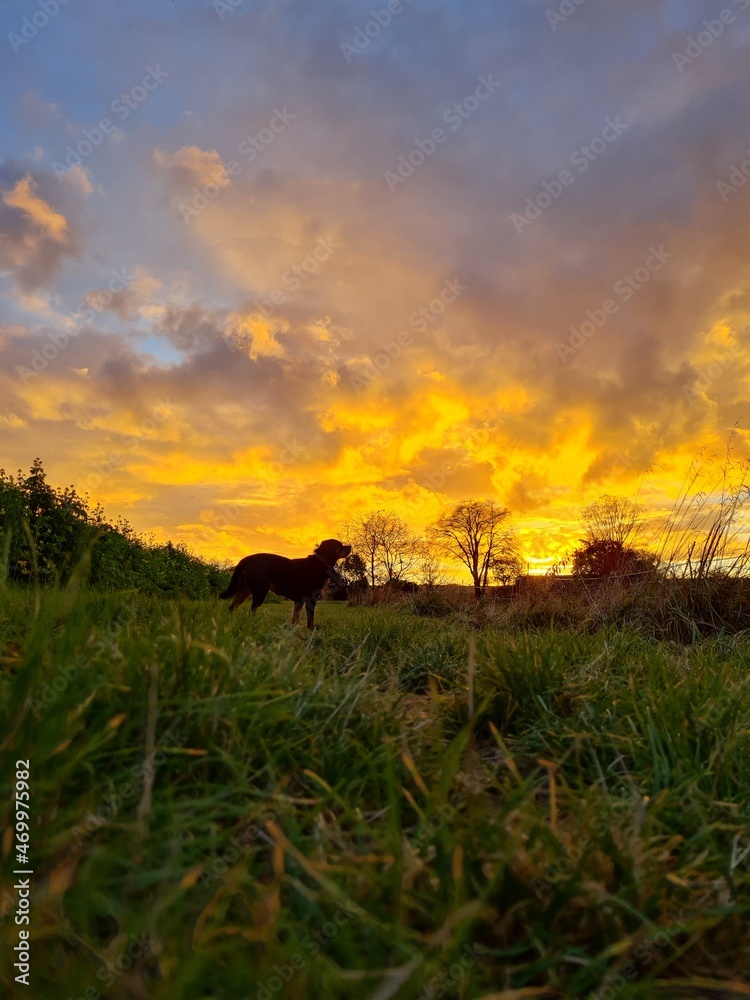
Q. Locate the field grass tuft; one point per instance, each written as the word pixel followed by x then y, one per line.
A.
pixel 227 807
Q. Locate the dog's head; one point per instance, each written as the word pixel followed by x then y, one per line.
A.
pixel 331 550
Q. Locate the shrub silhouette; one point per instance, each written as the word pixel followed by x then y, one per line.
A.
pixel 45 531
pixel 607 557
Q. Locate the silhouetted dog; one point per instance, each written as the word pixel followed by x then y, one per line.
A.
pixel 300 580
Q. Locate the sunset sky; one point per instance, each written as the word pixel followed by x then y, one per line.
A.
pixel 264 265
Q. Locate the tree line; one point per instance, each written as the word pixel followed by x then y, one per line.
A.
pixel 478 534
pixel 475 533
pixel 46 530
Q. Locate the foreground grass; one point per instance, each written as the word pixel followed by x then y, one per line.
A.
pixel 227 807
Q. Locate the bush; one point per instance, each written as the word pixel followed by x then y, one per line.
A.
pixel 431 602
pixel 46 531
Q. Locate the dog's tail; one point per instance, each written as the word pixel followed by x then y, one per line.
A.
pixel 233 584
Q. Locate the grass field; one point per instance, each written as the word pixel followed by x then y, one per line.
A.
pixel 394 806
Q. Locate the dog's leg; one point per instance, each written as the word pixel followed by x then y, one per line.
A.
pixel 310 609
pixel 240 597
pixel 296 612
pixel 259 595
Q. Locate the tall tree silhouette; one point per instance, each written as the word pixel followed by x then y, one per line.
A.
pixel 476 533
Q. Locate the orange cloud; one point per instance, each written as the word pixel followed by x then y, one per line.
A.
pixel 23 196
pixel 196 165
